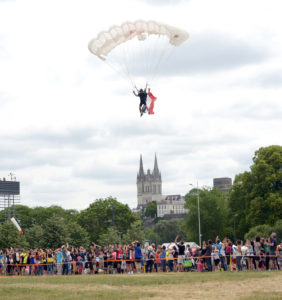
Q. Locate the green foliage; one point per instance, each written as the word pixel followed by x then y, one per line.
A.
pixel 151 236
pixel 167 230
pixel 256 196
pixel 103 214
pixel 111 236
pixel 34 236
pixel 277 228
pixel 265 231
pixel 260 230
pixel 151 210
pixel 213 214
pixel 40 214
pixel 56 233
pixel 78 235
pixel 25 216
pixel 134 233
pixel 10 237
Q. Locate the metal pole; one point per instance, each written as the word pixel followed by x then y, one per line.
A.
pixel 234 230
pixel 113 215
pixel 199 218
pixel 234 216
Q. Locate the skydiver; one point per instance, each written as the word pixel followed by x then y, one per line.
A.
pixel 142 94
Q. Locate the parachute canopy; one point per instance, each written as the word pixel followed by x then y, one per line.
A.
pixel 137 48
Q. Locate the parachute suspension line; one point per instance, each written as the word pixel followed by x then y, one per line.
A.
pixel 125 75
pixel 162 55
pixel 149 56
pixel 153 46
pixel 125 66
pixel 117 71
pixel 147 62
pixel 127 62
pixel 114 59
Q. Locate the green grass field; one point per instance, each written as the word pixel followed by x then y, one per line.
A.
pixel 221 285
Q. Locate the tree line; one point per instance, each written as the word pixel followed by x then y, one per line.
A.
pixel 254 208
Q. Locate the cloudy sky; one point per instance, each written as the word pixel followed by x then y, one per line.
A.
pixel 70 127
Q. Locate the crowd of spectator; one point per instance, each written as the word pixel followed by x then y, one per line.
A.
pixel 220 255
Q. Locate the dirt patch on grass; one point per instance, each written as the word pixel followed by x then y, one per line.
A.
pixel 247 286
pixel 262 288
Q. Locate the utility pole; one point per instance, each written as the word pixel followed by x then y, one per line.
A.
pixel 199 217
pixel 199 214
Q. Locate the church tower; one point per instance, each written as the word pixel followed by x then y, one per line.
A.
pixel 149 185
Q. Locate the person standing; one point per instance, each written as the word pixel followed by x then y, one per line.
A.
pixel 163 258
pixel 272 247
pixel 59 260
pixel 171 252
pixel 65 259
pixel 137 255
pixel 238 252
pixel 181 254
pixel 208 255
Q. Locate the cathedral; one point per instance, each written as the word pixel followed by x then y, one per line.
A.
pixel 149 189
pixel 149 185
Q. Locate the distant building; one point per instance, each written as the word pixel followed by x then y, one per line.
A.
pixel 224 184
pixel 172 205
pixel 149 189
pixel 149 185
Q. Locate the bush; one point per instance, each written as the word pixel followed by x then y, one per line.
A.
pixel 260 230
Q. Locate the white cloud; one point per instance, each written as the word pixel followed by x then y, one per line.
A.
pixel 70 127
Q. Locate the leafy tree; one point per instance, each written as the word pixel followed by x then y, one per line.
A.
pixel 277 228
pixel 151 236
pixel 41 214
pixel 78 235
pixel 239 203
pixel 111 236
pixel 23 215
pixel 34 236
pixel 134 233
pixel 10 237
pixel 151 210
pixel 56 233
pixel 167 230
pixel 103 214
pixel 256 196
pixel 213 214
pixel 260 230
pixel 265 231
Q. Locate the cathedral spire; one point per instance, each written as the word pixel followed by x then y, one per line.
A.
pixel 156 171
pixel 141 170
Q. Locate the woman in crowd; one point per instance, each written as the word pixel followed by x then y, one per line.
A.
pixel 237 250
pixel 250 254
pixel 171 252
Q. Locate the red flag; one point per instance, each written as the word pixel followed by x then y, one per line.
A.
pixel 150 103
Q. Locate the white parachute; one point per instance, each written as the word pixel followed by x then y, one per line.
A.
pixel 136 49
